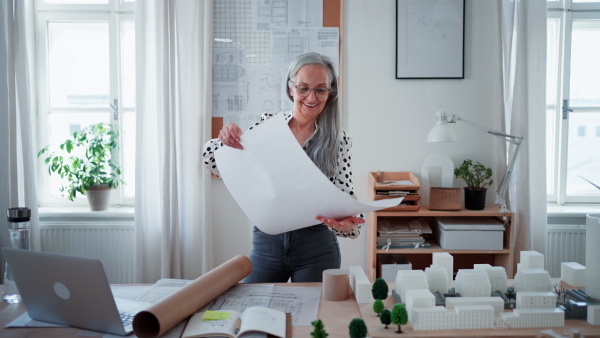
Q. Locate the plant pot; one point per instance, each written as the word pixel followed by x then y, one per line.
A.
pixel 98 197
pixel 475 199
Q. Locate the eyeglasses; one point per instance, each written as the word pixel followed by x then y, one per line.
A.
pixel 320 92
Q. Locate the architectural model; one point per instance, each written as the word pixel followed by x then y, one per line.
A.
pixel 572 273
pixel 593 314
pixel 472 283
pixel 437 279
pixel 497 276
pixel 360 285
pixel 410 279
pixel 444 260
pixel 532 260
pixel 532 280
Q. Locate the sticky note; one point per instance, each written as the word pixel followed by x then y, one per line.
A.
pixel 216 315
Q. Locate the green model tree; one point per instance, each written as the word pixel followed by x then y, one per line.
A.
pixel 319 331
pixel 380 289
pixel 378 306
pixel 386 317
pixel 358 328
pixel 399 316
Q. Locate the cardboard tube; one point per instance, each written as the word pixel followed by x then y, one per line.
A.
pixel 336 284
pixel 170 311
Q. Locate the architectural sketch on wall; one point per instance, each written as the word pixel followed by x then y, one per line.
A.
pixel 254 43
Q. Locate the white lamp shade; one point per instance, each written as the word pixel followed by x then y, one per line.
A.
pixel 441 132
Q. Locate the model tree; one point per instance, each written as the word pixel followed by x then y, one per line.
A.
pixel 399 316
pixel 378 306
pixel 386 317
pixel 319 331
pixel 380 289
pixel 358 328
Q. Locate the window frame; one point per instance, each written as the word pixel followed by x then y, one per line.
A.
pixel 566 12
pixel 114 13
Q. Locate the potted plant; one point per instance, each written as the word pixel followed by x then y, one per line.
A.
pixel 477 177
pixel 88 167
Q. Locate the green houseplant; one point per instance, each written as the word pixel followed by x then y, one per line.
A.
pixel 86 164
pixel 477 177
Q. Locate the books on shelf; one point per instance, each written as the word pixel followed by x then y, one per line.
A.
pixel 255 321
pixel 401 233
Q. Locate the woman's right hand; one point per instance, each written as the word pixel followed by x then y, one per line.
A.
pixel 230 136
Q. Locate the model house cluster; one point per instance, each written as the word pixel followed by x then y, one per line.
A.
pixel 472 306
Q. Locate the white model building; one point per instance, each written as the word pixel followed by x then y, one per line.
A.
pixel 418 298
pixel 497 276
pixel 437 279
pixel 444 260
pixel 472 283
pixel 520 318
pixel 532 280
pixel 593 314
pixel 536 300
pixel 360 285
pixel 410 279
pixel 496 302
pixel 531 260
pixel 462 317
pixel 572 273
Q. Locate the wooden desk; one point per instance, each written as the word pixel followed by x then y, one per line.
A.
pixel 335 315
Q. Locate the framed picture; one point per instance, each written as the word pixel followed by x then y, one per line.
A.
pixel 430 39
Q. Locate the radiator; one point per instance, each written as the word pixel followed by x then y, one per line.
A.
pixel 566 243
pixel 112 244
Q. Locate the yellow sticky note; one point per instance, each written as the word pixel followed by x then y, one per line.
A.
pixel 216 315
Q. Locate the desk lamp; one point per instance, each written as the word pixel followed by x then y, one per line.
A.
pixel 441 132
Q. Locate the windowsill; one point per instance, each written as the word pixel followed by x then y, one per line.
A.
pixel 84 213
pixel 574 210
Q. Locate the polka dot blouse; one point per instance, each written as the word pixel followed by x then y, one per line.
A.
pixel 342 179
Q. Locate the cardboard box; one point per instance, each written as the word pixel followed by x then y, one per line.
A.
pixel 470 233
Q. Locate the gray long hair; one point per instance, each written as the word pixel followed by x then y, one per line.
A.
pixel 322 148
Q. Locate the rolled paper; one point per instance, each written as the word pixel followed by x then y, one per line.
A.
pixel 170 311
pixel 336 284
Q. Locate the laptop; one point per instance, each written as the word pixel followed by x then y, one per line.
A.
pixel 70 290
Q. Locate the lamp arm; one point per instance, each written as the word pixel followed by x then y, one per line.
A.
pixel 508 138
pixel 516 140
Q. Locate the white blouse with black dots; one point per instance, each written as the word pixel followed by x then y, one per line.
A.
pixel 342 179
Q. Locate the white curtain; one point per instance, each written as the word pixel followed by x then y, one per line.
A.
pixel 523 30
pixel 17 112
pixel 173 66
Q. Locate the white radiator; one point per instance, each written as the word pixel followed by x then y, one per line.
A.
pixel 111 243
pixel 566 243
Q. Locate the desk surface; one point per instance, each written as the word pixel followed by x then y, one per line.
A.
pixel 335 315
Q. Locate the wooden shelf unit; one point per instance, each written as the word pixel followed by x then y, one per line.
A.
pixel 421 257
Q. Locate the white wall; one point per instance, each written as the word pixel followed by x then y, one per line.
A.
pixel 388 119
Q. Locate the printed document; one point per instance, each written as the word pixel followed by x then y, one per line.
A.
pixel 278 186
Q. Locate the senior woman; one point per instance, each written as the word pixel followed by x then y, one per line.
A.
pixel 304 254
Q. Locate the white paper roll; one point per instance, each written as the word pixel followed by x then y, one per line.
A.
pixel 592 256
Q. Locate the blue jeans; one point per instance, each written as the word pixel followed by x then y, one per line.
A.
pixel 301 254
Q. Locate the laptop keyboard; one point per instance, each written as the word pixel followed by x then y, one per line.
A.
pixel 127 318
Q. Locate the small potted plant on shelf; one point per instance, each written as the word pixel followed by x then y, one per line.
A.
pixel 88 167
pixel 477 177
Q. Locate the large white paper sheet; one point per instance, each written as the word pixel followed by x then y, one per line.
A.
pixel 278 186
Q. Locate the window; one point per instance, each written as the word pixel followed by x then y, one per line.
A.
pixel 573 101
pixel 86 75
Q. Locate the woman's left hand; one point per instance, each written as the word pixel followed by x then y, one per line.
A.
pixel 345 224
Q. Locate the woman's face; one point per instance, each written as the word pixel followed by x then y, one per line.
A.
pixel 311 76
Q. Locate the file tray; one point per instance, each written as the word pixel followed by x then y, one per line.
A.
pixel 469 233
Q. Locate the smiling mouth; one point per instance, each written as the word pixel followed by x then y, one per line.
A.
pixel 310 105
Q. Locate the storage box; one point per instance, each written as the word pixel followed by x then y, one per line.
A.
pixel 444 198
pixel 388 266
pixel 470 233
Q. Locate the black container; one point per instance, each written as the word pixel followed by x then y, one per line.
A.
pixel 475 199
